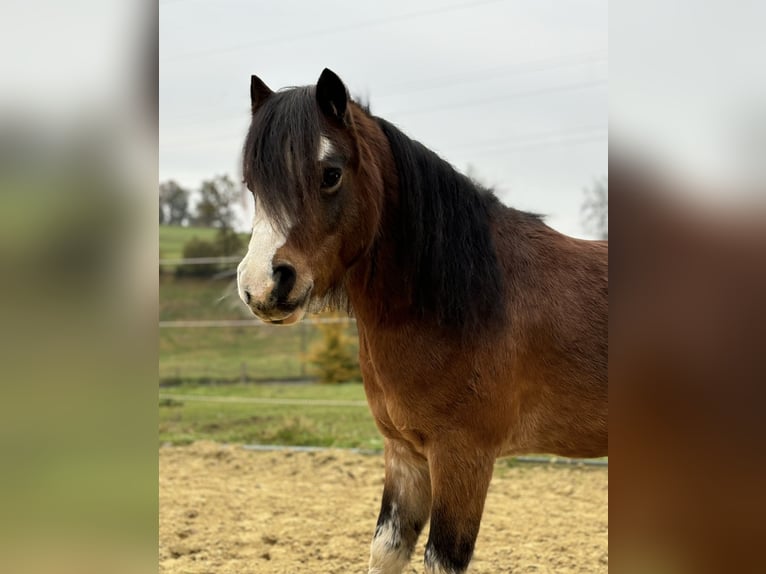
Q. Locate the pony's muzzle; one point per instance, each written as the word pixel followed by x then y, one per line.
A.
pixel 283 301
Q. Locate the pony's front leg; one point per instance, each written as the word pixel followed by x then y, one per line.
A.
pixel 460 479
pixel 403 511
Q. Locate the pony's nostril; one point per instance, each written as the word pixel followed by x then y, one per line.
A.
pixel 284 278
pixel 248 297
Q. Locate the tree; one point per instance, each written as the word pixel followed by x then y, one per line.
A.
pixel 217 196
pixel 595 208
pixel 174 203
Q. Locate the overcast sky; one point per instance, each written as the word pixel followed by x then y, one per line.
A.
pixel 515 89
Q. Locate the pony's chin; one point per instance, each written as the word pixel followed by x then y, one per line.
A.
pixel 290 319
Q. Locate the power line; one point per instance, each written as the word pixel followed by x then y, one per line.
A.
pixel 481 101
pixel 515 69
pixel 534 137
pixel 561 138
pixel 503 98
pixel 334 30
pixel 571 142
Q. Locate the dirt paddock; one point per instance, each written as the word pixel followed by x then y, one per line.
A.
pixel 226 510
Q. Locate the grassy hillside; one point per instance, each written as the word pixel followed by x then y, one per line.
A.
pixel 186 299
pixel 173 237
pixel 194 360
pixel 261 352
pixel 221 353
pixel 232 416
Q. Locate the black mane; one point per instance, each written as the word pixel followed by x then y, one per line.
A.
pixel 444 243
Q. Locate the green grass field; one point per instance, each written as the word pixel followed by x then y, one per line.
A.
pixel 258 352
pixel 197 299
pixel 183 420
pixel 222 353
pixel 173 237
pixel 191 412
pixel 209 361
pixel 261 352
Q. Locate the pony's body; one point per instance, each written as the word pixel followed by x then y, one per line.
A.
pixel 482 331
pixel 521 376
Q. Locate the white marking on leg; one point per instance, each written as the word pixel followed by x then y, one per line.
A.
pixel 254 272
pixel 325 148
pixel 433 566
pixel 386 553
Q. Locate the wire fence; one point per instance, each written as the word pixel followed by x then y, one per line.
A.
pixel 231 351
pixel 201 260
pixel 223 346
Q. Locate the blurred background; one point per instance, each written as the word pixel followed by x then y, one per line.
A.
pixel 512 92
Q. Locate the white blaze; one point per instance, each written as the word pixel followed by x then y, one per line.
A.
pixel 325 148
pixel 254 272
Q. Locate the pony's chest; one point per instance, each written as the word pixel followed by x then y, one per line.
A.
pixel 396 416
pixel 406 386
pixel 402 364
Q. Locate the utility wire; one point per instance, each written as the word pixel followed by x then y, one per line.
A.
pixel 533 137
pixel 394 114
pixel 501 98
pixel 335 29
pixel 565 143
pixel 424 85
pixel 516 69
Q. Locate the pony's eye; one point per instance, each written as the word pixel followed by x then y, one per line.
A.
pixel 330 178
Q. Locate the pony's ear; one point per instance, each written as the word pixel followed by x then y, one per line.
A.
pixel 259 92
pixel 332 96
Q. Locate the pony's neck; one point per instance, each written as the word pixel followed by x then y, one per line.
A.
pixel 371 285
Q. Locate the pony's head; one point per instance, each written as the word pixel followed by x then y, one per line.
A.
pixel 317 192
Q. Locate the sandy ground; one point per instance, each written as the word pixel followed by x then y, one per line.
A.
pixel 227 510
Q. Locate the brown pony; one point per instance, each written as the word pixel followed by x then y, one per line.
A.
pixel 482 331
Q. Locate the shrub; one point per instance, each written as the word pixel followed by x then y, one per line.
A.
pixel 193 249
pixel 228 242
pixel 334 358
